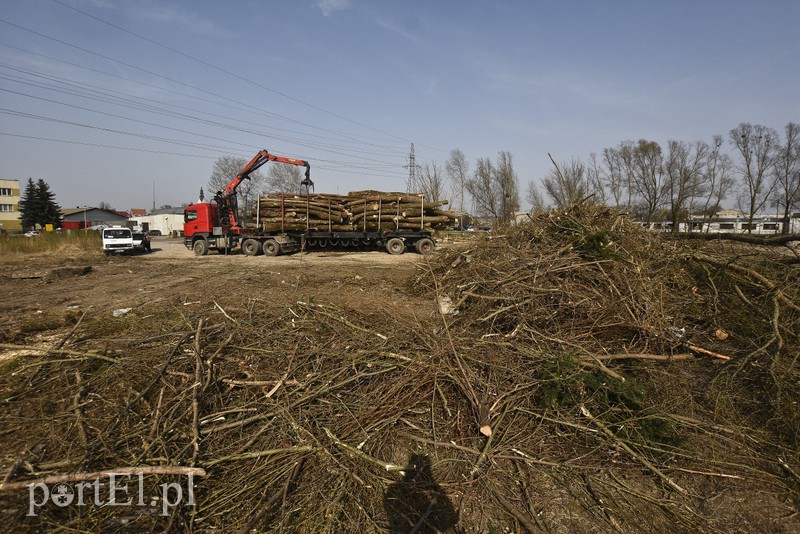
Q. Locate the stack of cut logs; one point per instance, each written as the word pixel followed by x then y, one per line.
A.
pixel 356 211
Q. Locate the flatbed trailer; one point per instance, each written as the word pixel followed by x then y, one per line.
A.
pixel 290 241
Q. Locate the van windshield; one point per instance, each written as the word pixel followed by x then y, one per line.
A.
pixel 114 233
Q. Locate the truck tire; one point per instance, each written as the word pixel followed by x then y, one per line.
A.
pixel 424 245
pixel 271 248
pixel 395 246
pixel 200 247
pixel 251 247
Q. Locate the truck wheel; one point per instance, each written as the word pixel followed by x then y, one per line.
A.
pixel 271 247
pixel 395 246
pixel 200 247
pixel 251 247
pixel 425 246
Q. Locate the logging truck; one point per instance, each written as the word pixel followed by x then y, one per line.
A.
pixel 216 225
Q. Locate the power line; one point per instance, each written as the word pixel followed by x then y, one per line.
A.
pixel 72 142
pixel 220 69
pixel 112 130
pixel 169 113
pixel 143 104
pixel 95 90
pixel 373 166
pixel 152 73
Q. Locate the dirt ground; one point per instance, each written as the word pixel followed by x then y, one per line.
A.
pixel 172 275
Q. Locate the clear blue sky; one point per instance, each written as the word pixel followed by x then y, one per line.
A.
pixel 350 84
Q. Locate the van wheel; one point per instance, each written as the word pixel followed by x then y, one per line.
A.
pixel 200 247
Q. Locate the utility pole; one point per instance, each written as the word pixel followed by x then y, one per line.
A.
pixel 412 171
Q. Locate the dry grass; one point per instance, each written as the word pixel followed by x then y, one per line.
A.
pixel 51 243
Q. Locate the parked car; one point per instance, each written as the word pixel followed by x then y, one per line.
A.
pixel 154 232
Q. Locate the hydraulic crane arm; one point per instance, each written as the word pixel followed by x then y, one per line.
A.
pixel 260 159
pixel 227 200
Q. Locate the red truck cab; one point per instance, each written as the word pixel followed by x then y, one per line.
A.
pixel 203 229
pixel 200 219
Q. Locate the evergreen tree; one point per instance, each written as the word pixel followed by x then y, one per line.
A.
pixel 38 205
pixel 50 211
pixel 27 205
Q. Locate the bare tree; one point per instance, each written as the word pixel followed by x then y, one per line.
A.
pixel 457 170
pixel 566 184
pixel 431 182
pixel 717 179
pixel 284 178
pixel 697 186
pixel 594 178
pixel 495 188
pixel 535 198
pixel 756 147
pixel 105 206
pixel 612 174
pixel 225 169
pixel 786 194
pixel 483 189
pixel 683 167
pixel 627 156
pixel 648 177
pixel 508 186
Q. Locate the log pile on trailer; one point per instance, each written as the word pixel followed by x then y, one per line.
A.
pixel 356 211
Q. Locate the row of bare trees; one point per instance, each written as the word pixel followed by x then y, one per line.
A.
pixel 671 183
pixel 491 191
pixel 653 183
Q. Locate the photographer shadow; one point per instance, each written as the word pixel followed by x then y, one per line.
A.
pixel 417 504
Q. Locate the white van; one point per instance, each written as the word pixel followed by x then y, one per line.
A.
pixel 117 239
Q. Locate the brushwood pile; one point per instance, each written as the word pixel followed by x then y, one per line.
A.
pixel 574 373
